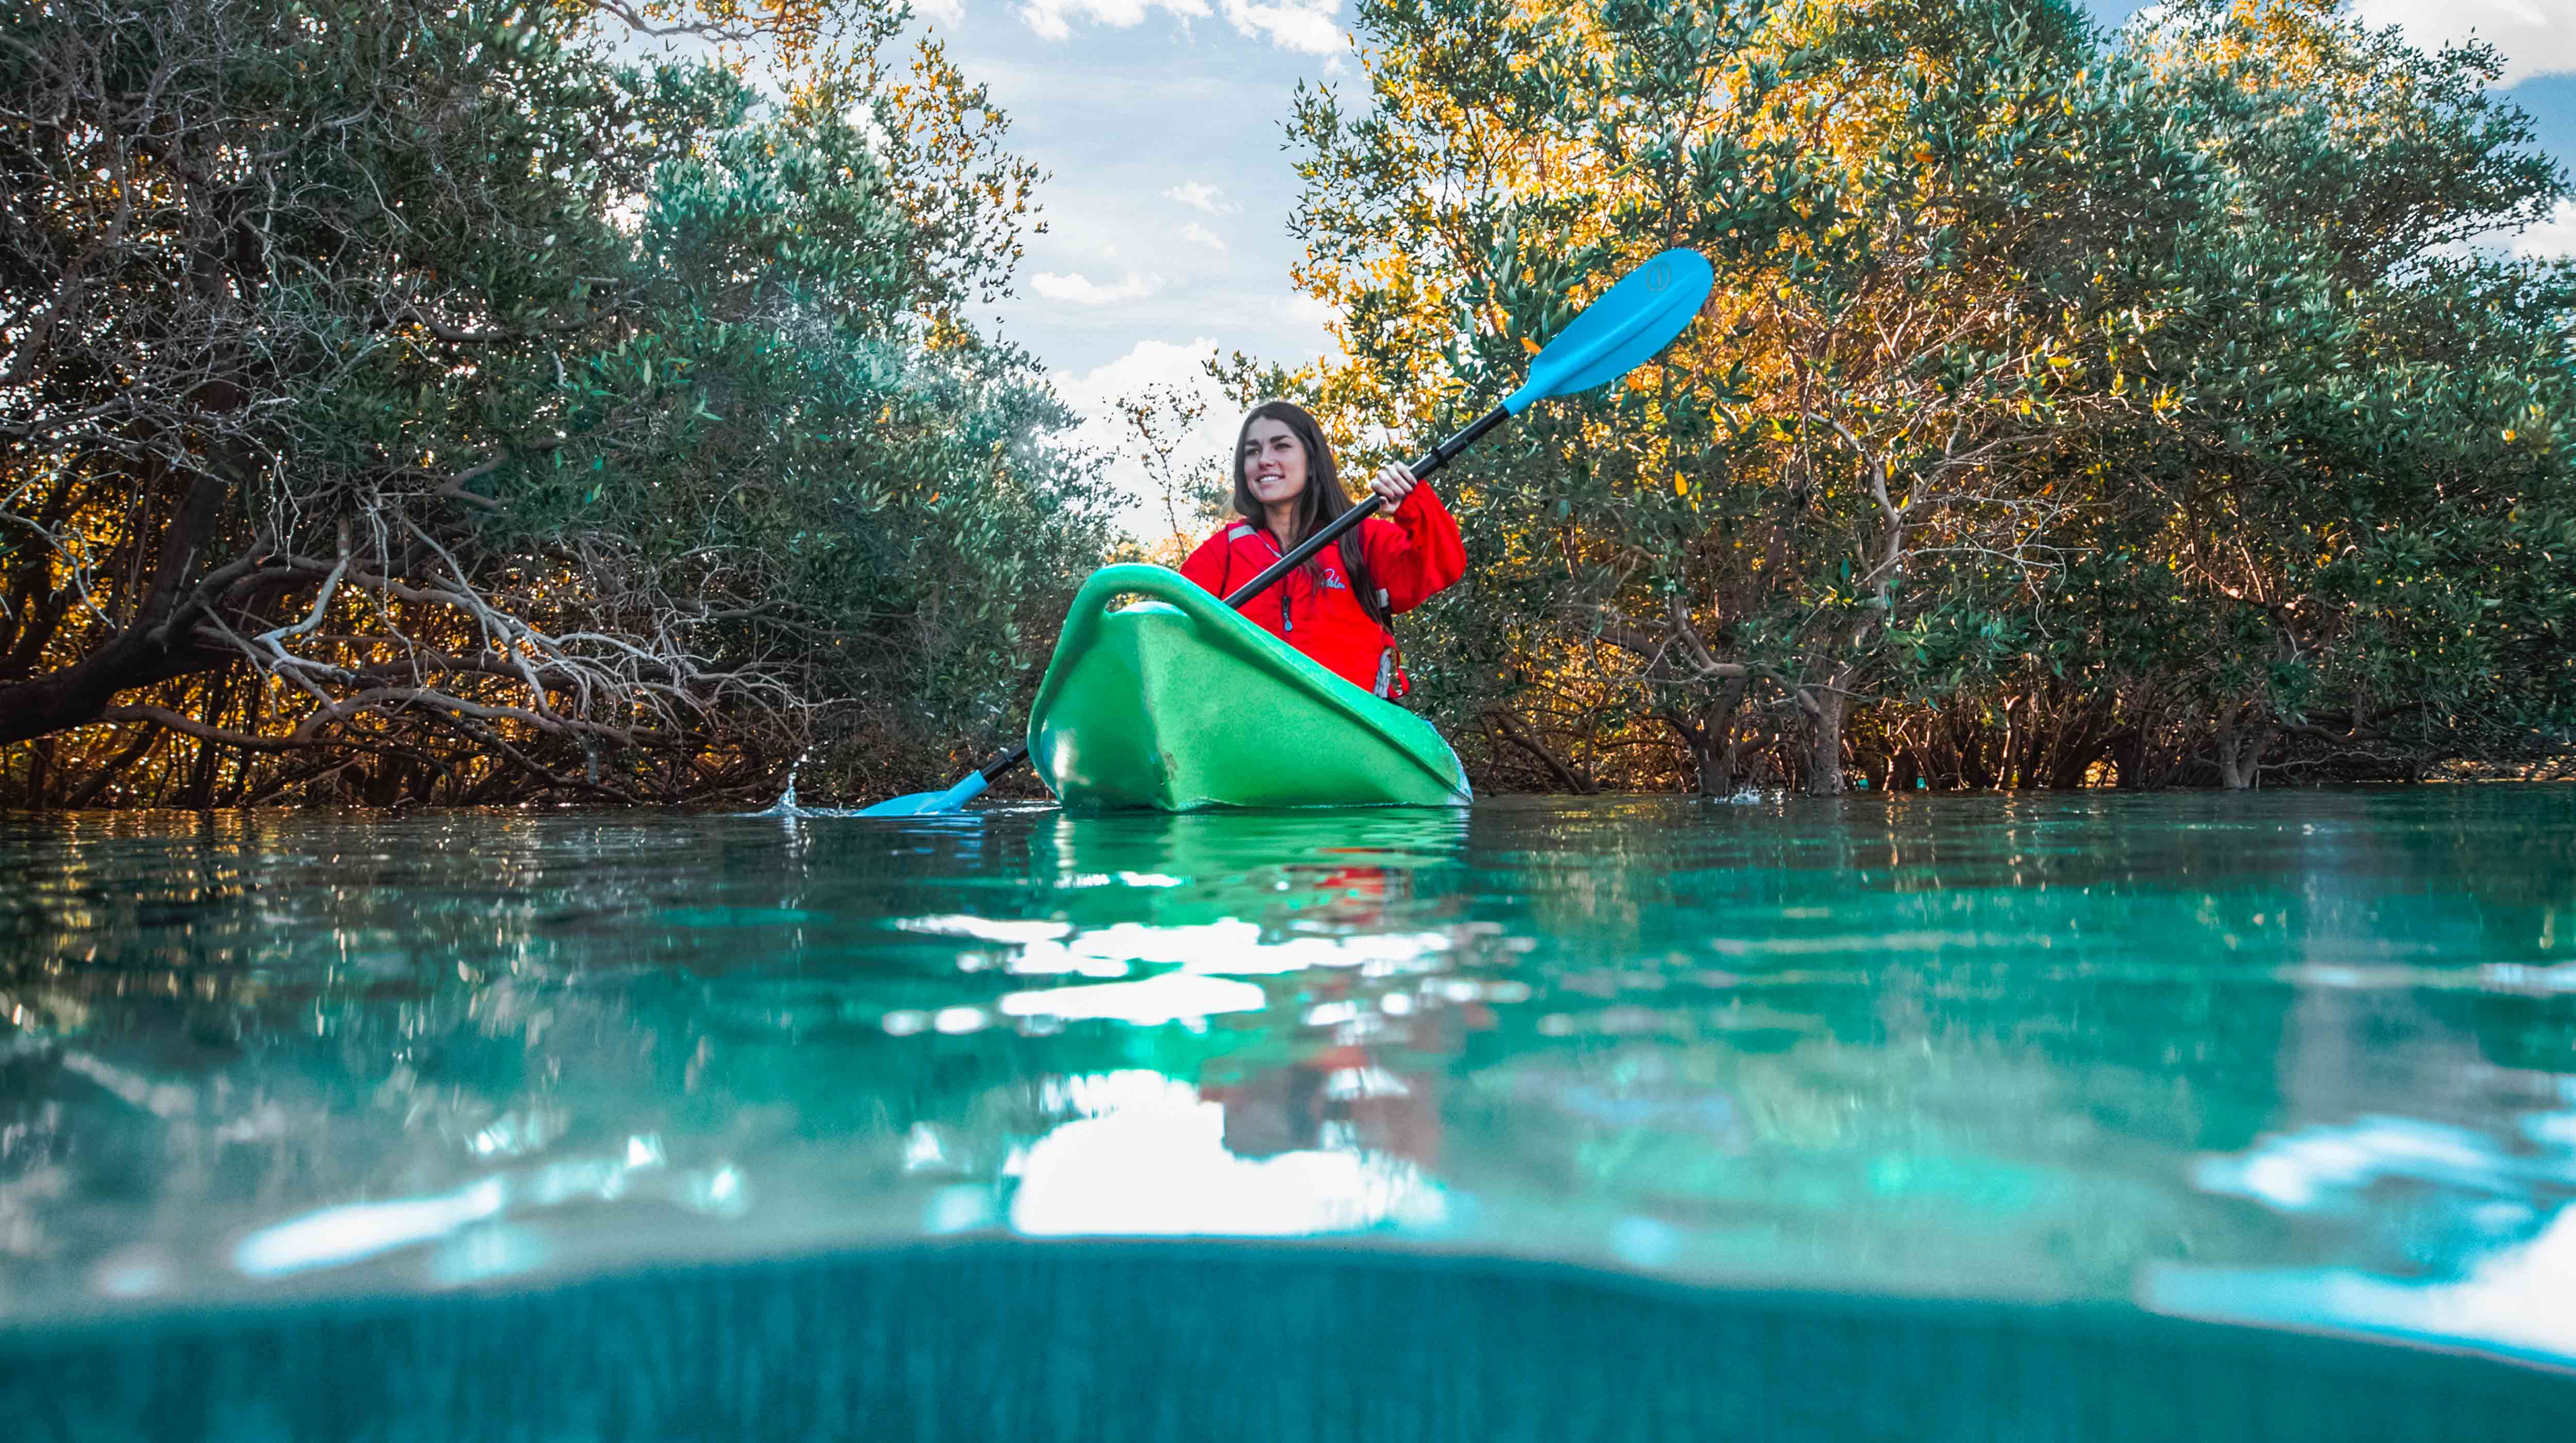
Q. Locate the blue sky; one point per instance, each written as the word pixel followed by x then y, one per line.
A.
pixel 1159 121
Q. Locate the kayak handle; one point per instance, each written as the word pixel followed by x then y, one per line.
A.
pixel 1441 455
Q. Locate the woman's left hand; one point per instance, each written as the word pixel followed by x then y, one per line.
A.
pixel 1394 481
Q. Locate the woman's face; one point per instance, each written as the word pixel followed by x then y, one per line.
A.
pixel 1274 462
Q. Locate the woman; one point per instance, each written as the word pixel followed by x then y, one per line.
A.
pixel 1336 607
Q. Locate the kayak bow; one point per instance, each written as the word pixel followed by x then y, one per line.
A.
pixel 1180 703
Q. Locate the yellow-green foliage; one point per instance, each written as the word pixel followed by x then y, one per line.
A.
pixel 2064 408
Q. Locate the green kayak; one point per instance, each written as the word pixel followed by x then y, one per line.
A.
pixel 1180 702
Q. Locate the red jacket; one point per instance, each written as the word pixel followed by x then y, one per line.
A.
pixel 1409 559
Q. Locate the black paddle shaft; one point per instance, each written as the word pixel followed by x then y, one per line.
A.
pixel 1441 455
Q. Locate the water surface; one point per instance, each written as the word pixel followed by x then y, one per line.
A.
pixel 2305 1058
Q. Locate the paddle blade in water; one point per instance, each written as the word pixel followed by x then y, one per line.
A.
pixel 925 803
pixel 1622 330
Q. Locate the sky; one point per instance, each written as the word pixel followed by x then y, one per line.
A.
pixel 1169 190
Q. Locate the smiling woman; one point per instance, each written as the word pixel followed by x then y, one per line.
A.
pixel 1338 608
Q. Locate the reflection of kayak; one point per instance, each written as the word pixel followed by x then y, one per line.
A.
pixel 1219 850
pixel 1181 703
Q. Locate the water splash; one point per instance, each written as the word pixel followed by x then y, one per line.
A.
pixel 948 811
pixel 786 806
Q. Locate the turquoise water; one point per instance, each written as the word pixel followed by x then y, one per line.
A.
pixel 2303 1059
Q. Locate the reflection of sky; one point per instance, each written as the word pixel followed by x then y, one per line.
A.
pixel 2522 1298
pixel 1148 1157
pixel 1231 947
pixel 2515 1285
pixel 1206 957
pixel 356 1232
pixel 1136 1152
pixel 1172 997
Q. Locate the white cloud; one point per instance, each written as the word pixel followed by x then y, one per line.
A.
pixel 1081 290
pixel 2537 37
pixel 2553 237
pixel 951 13
pixel 1311 26
pixel 1304 310
pixel 1054 19
pixel 1094 396
pixel 1197 234
pixel 1199 195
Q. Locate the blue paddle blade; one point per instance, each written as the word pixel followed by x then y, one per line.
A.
pixel 1622 330
pixel 924 803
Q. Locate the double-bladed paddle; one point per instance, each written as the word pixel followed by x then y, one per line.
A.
pixel 1617 333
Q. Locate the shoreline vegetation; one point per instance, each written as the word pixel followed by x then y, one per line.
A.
pixel 419 404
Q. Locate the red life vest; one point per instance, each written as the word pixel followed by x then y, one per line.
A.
pixel 1410 558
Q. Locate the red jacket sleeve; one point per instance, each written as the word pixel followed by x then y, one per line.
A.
pixel 1206 566
pixel 1419 553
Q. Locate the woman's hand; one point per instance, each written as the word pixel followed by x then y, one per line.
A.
pixel 1394 481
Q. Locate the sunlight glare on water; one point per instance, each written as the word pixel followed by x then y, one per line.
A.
pixel 2292 1058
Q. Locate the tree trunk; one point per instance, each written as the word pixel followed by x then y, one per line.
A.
pixel 1519 733
pixel 105 777
pixel 2241 745
pixel 40 763
pixel 1974 774
pixel 1712 740
pixel 2129 759
pixel 258 710
pixel 201 782
pixel 1825 746
pixel 141 654
pixel 2069 768
pixel 1902 771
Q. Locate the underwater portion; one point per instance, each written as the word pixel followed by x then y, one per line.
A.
pixel 2291 1060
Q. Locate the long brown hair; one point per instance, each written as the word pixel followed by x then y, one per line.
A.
pixel 1322 501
